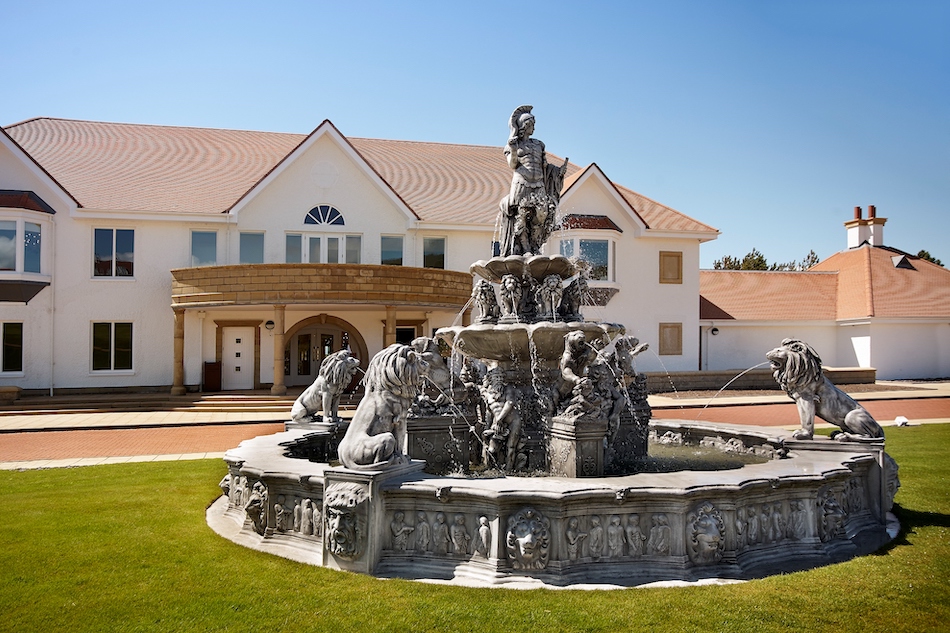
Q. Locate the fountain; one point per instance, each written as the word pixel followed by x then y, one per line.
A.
pixel 526 464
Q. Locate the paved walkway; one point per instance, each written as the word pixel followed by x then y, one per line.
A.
pixel 78 439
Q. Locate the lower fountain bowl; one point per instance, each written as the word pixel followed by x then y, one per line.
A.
pixel 810 503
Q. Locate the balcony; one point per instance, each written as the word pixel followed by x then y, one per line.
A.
pixel 259 284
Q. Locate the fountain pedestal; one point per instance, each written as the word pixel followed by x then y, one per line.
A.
pixel 354 514
pixel 576 447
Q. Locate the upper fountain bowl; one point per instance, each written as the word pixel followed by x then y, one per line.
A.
pixel 535 266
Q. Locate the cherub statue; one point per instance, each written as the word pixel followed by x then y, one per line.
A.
pixel 577 356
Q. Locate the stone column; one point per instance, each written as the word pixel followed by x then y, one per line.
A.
pixel 278 388
pixel 389 334
pixel 178 377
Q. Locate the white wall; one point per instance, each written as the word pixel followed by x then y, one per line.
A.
pixel 740 345
pixel 910 350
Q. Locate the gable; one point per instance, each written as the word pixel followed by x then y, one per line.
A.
pixel 25 184
pixel 321 174
pixel 592 194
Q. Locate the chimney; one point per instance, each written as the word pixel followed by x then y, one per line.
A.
pixel 870 230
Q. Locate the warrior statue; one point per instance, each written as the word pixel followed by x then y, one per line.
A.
pixel 527 214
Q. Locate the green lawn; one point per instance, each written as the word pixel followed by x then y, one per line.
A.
pixel 126 548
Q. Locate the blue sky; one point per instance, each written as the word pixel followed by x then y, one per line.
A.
pixel 767 120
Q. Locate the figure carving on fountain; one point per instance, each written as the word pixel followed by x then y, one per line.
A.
pixel 752 526
pixel 577 356
pixel 596 542
pixel 345 507
pixel 459 535
pixel 441 392
pixel 573 536
pixel 422 531
pixel 336 372
pixel 317 520
pixel 527 214
pixel 831 516
pixel 527 539
pixel 483 537
pixel 511 295
pixel 615 538
pixel 707 535
pixel 797 527
pixel 635 536
pixel 306 517
pixel 659 541
pixel 256 507
pixel 400 531
pixel 576 293
pixel 284 515
pixel 612 400
pixel 376 436
pixel 796 367
pixel 297 515
pixel 440 535
pixel 486 302
pixel 548 298
pixel 503 426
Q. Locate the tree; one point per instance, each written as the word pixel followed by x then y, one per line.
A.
pixel 754 260
pixel 930 258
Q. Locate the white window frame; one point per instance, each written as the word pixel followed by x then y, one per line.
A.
pixel 22 218
pixel 191 254
pixel 16 373
pixel 112 371
pixel 601 236
pixel 445 250
pixel 305 246
pixel 263 247
pixel 402 259
pixel 112 275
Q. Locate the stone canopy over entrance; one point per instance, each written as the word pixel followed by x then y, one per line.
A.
pixel 299 348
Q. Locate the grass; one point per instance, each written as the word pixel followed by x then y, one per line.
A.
pixel 126 548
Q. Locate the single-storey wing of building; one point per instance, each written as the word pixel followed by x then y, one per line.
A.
pixel 867 306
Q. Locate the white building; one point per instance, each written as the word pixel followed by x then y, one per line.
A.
pixel 131 256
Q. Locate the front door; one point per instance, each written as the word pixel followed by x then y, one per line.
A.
pixel 305 352
pixel 237 358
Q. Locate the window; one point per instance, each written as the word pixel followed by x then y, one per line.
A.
pixel 252 248
pixel 671 339
pixel 29 260
pixel 111 346
pixel 433 252
pixel 391 250
pixel 8 245
pixel 671 267
pixel 114 252
pixel 328 249
pixel 354 248
pixel 598 253
pixel 12 348
pixel 324 214
pixel 204 248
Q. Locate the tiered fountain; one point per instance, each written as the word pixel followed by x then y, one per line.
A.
pixel 545 451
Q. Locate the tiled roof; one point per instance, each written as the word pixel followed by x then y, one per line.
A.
pixel 748 295
pixel 857 283
pixel 872 285
pixel 579 221
pixel 200 170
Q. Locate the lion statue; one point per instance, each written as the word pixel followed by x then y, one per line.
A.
pixel 336 372
pixel 376 437
pixel 797 369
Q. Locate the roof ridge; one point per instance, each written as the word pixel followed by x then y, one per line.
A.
pixel 869 282
pixel 152 125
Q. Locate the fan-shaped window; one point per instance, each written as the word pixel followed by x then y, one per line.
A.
pixel 324 214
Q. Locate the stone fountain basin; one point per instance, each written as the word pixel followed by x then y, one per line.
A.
pixel 852 476
pixel 524 342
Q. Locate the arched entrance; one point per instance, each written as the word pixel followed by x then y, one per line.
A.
pixel 309 341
